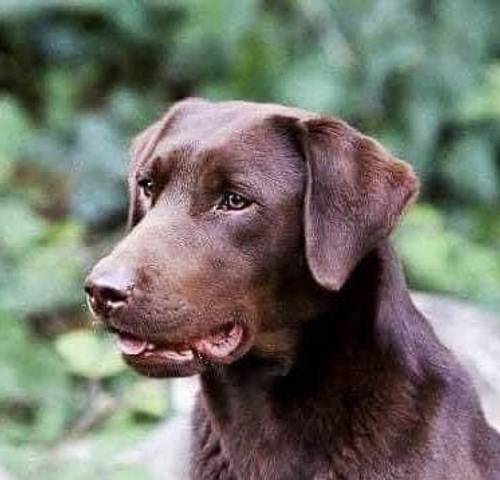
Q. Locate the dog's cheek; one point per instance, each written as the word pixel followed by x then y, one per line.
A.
pixel 245 235
pixel 225 287
pixel 264 237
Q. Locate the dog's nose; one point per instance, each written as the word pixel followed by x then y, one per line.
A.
pixel 108 291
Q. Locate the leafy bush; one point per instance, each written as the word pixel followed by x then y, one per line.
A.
pixel 438 258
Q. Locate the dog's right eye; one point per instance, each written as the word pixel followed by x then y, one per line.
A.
pixel 146 186
pixel 234 201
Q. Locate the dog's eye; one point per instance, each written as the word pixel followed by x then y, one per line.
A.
pixel 146 186
pixel 234 201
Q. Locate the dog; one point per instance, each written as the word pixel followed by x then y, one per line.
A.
pixel 258 257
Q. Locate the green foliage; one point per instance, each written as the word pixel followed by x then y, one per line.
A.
pixel 438 258
pixel 51 272
pixel 35 399
pixel 89 458
pixel 89 355
pixel 15 130
pixel 147 398
pixel 480 185
pixel 80 78
pixel 483 103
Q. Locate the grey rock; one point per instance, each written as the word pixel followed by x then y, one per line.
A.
pixel 4 475
pixel 474 337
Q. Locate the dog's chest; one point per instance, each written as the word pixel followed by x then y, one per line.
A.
pixel 245 455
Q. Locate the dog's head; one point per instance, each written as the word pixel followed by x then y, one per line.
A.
pixel 241 217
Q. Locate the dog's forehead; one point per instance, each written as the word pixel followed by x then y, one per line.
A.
pixel 229 114
pixel 208 125
pixel 199 126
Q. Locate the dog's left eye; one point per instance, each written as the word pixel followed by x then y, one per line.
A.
pixel 146 186
pixel 234 201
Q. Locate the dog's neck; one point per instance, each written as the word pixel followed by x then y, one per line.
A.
pixel 360 367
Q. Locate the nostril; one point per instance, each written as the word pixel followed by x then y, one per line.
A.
pixel 88 287
pixel 106 294
pixel 113 296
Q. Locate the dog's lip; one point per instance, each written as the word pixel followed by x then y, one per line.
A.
pixel 216 346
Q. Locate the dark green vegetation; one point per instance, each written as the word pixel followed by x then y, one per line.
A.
pixel 79 78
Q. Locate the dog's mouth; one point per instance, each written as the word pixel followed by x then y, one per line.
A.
pixel 219 346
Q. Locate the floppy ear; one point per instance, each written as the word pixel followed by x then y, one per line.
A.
pixel 140 147
pixel 356 191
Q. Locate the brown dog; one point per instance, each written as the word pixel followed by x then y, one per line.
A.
pixel 258 257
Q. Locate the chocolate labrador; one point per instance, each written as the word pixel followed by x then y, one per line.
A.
pixel 258 257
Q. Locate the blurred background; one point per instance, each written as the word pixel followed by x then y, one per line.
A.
pixel 78 78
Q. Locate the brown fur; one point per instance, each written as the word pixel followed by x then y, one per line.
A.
pixel 339 376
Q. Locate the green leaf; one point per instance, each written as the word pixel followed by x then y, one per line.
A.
pixel 89 355
pixel 15 129
pixel 28 371
pixel 438 258
pixel 20 228
pixel 99 160
pixel 325 85
pixel 148 397
pixel 483 103
pixel 47 277
pixel 469 169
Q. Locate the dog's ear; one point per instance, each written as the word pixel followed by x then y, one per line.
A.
pixel 141 145
pixel 355 193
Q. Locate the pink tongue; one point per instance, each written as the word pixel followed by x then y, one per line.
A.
pixel 130 345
